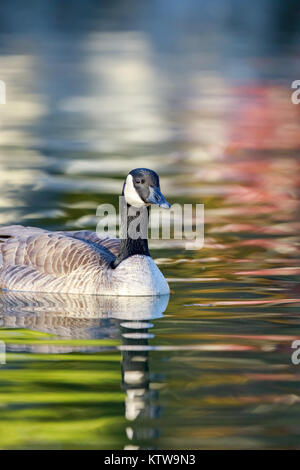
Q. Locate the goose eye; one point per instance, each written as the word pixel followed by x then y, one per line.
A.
pixel 143 181
pixel 137 181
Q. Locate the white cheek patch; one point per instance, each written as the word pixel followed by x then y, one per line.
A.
pixel 131 195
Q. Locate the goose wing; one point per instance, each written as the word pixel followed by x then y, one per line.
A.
pixel 100 240
pixel 36 259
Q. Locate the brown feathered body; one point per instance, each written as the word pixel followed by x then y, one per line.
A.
pixel 37 260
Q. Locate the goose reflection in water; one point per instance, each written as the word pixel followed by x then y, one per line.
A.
pixel 74 317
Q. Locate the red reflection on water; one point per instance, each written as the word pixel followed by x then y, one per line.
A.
pixel 246 302
pixel 265 119
pixel 271 272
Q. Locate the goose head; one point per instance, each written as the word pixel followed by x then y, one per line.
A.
pixel 141 188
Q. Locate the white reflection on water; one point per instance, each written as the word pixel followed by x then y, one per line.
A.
pixel 77 315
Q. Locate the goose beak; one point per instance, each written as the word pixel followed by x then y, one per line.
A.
pixel 156 197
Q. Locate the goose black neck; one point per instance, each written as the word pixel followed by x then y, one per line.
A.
pixel 133 232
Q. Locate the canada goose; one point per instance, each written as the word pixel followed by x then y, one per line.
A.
pixel 38 260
